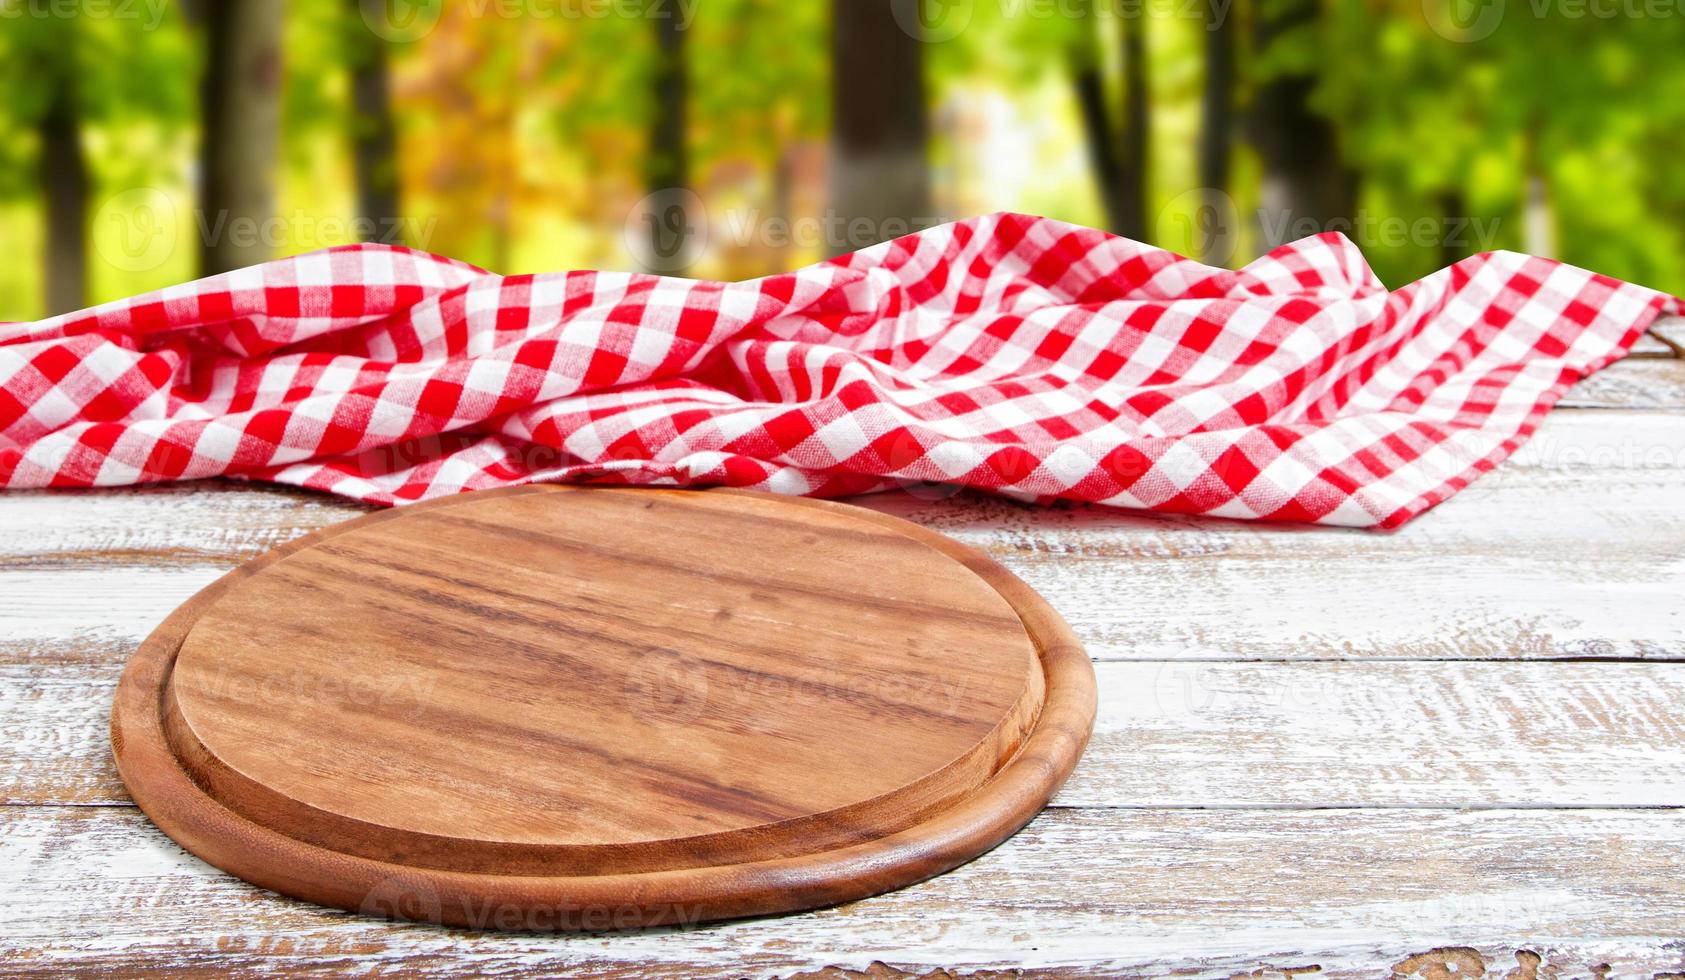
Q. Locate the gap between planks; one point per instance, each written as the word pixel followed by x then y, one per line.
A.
pixel 1182 735
pixel 1104 892
pixel 1665 338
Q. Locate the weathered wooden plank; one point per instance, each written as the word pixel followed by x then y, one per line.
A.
pixel 1669 332
pixel 1154 610
pixel 1632 383
pixel 1180 734
pixel 1385 734
pixel 1569 550
pixel 1650 347
pixel 1205 893
pixel 221 522
pixel 1665 338
pixel 212 521
pixel 90 614
pixel 1148 591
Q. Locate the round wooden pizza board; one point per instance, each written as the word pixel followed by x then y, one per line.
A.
pixel 566 708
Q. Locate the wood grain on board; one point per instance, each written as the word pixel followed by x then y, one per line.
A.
pixel 1419 794
pixel 1209 893
pixel 1171 733
pixel 707 704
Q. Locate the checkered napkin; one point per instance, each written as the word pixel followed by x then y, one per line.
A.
pixel 1012 354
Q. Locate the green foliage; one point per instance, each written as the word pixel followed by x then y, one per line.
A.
pixel 122 63
pixel 756 81
pixel 1586 104
pixel 522 123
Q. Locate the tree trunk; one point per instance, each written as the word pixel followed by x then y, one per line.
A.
pixel 1088 84
pixel 1306 188
pixel 374 140
pixel 1455 237
pixel 1132 194
pixel 667 166
pixel 880 133
pixel 240 104
pixel 1216 138
pixel 1117 154
pixel 64 187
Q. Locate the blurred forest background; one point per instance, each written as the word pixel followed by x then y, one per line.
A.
pixel 148 142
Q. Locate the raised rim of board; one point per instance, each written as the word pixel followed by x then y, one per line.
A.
pixel 168 795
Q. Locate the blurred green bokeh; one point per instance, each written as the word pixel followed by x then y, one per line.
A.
pixel 525 132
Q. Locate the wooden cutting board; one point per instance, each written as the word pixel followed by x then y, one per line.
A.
pixel 566 708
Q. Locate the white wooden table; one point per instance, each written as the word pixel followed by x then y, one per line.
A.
pixel 1454 750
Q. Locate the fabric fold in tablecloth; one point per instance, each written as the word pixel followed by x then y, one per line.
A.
pixel 1013 354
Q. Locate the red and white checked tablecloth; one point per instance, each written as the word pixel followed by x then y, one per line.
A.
pixel 1013 354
